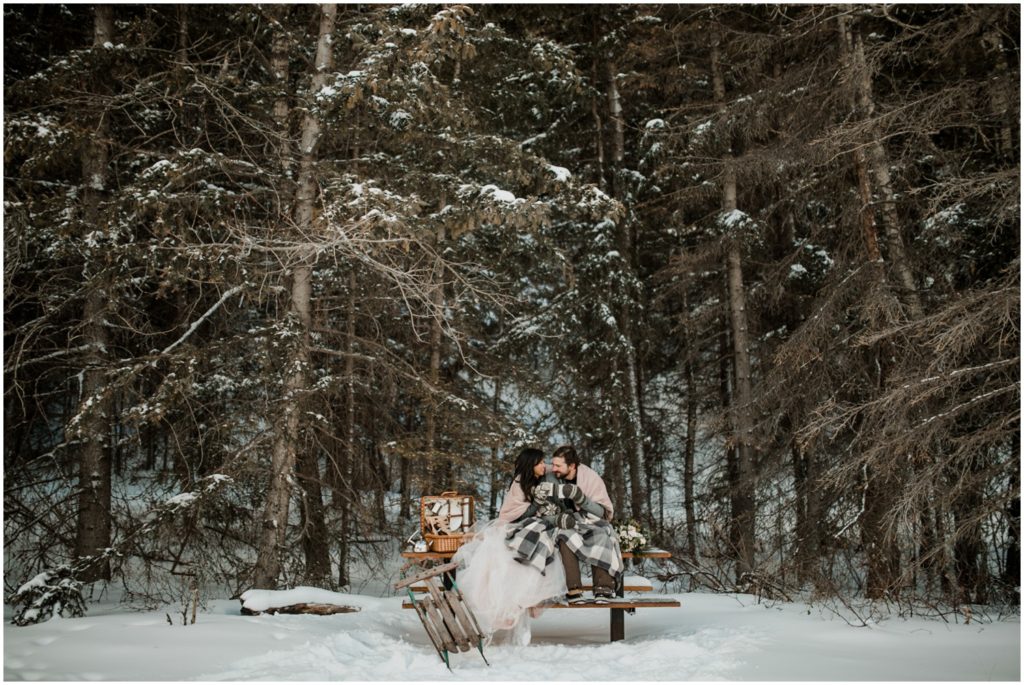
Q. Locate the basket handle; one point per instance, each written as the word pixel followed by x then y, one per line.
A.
pixel 449 493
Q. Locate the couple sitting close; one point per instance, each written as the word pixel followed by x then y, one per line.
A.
pixel 510 565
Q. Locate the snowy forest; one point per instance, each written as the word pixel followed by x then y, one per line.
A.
pixel 274 272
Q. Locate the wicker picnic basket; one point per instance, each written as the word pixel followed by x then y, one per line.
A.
pixel 445 520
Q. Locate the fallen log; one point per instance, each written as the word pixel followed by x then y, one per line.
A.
pixel 300 600
pixel 302 608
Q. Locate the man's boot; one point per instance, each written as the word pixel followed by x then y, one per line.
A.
pixel 573 581
pixel 604 585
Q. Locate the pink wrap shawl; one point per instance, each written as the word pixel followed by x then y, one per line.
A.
pixel 590 483
pixel 514 504
pixel 594 488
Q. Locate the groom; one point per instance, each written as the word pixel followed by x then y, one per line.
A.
pixel 583 492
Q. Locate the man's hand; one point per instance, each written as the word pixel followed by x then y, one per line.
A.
pixel 573 492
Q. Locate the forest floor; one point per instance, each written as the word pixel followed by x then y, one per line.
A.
pixel 711 637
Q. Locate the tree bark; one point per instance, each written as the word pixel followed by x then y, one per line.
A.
pixel 614 471
pixel 283 458
pixel 93 527
pixel 992 41
pixel 968 549
pixel 182 53
pixel 872 162
pixel 618 142
pixel 883 557
pixel 492 509
pixel 725 390
pixel 635 452
pixel 1011 568
pixel 343 540
pixel 927 544
pixel 404 476
pixel 349 453
pixel 595 111
pixel 315 541
pixel 742 400
pixel 434 467
pixel 688 457
pixel 808 498
pixel 280 52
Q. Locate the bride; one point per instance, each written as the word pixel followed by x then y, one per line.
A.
pixel 499 584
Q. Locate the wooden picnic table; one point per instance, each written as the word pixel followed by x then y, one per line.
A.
pixel 618 607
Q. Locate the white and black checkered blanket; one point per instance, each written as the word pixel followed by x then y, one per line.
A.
pixel 535 541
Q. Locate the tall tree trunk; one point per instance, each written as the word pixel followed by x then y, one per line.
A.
pixel 742 400
pixel 495 466
pixel 883 558
pixel 661 496
pixel 280 52
pixel 871 162
pixel 968 547
pixel 404 486
pixel 808 497
pixel 382 481
pixel 343 540
pixel 182 52
pixel 187 131
pixel 928 543
pixel 873 168
pixel 618 137
pixel 349 453
pixel 1000 83
pixel 635 456
pixel 742 418
pixel 595 110
pixel 492 508
pixel 725 389
pixel 283 458
pixel 614 470
pixel 688 456
pixel 315 541
pixel 635 452
pixel 340 484
pixel 93 527
pixel 406 466
pixel 1011 568
pixel 877 530
pixel 436 468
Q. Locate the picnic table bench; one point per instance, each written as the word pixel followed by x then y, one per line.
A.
pixel 618 606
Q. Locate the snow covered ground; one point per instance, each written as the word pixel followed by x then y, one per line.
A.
pixel 712 637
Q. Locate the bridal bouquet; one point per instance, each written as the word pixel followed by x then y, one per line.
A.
pixel 631 536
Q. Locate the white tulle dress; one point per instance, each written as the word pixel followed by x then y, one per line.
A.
pixel 498 589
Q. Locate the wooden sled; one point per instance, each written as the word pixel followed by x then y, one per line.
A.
pixel 449 623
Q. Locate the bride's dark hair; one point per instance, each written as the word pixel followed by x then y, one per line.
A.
pixel 525 462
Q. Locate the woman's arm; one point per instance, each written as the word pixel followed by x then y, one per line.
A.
pixel 514 505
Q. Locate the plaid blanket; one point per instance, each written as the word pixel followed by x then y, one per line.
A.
pixel 535 542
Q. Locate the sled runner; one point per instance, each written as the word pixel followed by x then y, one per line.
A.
pixel 449 623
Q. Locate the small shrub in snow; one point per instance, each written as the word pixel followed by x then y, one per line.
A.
pixel 52 591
